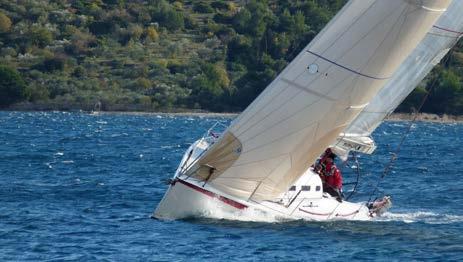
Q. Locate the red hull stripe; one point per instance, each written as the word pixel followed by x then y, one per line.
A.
pixel 312 213
pixel 328 214
pixel 227 201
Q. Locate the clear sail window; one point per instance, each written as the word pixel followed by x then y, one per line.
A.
pixel 313 68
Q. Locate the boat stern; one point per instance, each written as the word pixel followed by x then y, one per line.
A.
pixel 379 207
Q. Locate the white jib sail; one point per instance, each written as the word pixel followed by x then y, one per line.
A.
pixel 316 97
pixel 439 40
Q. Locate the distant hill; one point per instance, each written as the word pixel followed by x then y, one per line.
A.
pixel 157 55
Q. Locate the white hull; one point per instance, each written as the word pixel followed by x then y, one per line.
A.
pixel 188 197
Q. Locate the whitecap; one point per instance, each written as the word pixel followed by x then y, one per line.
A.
pixel 421 216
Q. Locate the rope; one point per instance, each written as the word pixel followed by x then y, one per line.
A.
pixel 394 156
pixel 357 164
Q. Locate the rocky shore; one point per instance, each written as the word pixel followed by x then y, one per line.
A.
pixel 426 117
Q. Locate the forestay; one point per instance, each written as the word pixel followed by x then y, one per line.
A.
pixel 439 40
pixel 318 94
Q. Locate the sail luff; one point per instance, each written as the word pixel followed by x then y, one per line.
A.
pixel 317 96
pixel 442 36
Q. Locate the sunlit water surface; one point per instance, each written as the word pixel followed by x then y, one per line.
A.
pixel 82 187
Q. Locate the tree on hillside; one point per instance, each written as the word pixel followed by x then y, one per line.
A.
pixel 12 86
pixel 210 85
pixel 40 36
pixel 5 23
pixel 444 96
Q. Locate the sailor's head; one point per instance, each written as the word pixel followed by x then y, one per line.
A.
pixel 330 157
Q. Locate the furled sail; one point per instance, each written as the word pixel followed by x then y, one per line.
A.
pixel 316 97
pixel 439 40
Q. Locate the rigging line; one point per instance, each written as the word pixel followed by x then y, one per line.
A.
pixel 354 156
pixel 390 165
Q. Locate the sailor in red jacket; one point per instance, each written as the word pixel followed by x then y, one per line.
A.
pixel 330 175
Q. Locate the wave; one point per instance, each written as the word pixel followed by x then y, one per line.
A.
pixel 421 216
pixel 253 215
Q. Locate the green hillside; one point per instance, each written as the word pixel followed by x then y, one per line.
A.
pixel 158 55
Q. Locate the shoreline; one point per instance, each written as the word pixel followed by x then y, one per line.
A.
pixel 425 117
pixel 422 117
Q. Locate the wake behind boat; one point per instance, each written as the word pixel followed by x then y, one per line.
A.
pixel 264 160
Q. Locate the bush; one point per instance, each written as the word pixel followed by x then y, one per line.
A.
pixel 52 64
pixel 101 27
pixel 166 16
pixel 5 23
pixel 12 86
pixel 202 7
pixel 40 36
pixel 152 34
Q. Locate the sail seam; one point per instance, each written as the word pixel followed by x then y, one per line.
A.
pixel 446 36
pixel 372 29
pixel 357 19
pixel 317 77
pixel 276 139
pixel 245 125
pixel 277 123
pixel 403 14
pixel 448 30
pixel 292 83
pixel 346 68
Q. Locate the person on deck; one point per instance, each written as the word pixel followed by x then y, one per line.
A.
pixel 330 175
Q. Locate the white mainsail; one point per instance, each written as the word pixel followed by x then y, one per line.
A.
pixel 316 97
pixel 439 40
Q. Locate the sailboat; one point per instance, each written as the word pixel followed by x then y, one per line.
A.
pixel 263 161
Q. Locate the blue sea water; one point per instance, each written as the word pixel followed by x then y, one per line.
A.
pixel 82 187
